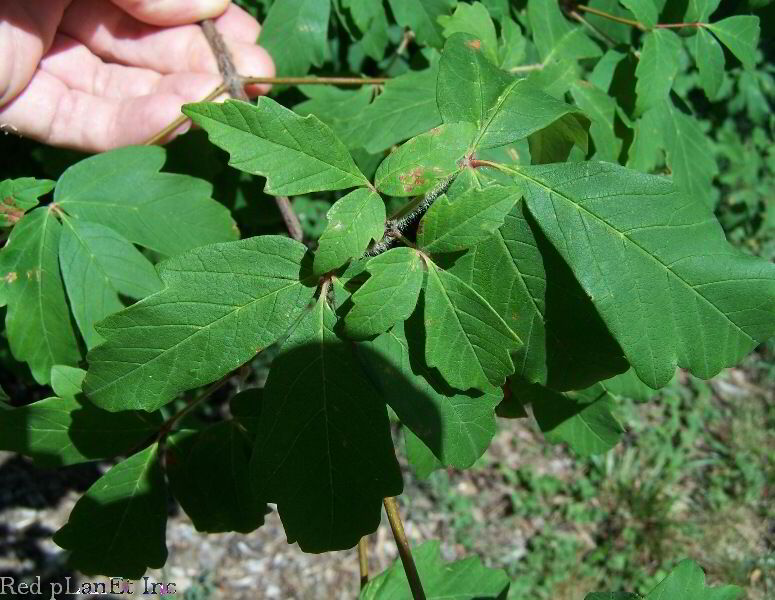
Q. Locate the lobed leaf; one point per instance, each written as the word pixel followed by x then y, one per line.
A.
pixel 297 155
pixel 388 296
pixel 353 221
pixel 324 452
pixel 221 305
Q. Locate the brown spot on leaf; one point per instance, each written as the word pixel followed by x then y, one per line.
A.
pixel 412 179
pixel 10 210
pixel 474 44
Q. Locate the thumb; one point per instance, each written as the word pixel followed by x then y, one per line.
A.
pixel 172 12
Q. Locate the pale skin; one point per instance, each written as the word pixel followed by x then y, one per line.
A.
pixel 98 74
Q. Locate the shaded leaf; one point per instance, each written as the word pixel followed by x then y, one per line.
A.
pixel 421 16
pixel 389 295
pixel 240 297
pixel 324 452
pixel 297 155
pixel 601 110
pixel 118 527
pixel 97 265
pixel 422 461
pixel 339 109
pixel 353 221
pixel 38 322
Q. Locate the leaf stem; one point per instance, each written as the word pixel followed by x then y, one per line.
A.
pixel 363 560
pixel 394 518
pixel 610 17
pixel 170 423
pixel 317 80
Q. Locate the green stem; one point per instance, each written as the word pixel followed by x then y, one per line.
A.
pixel 363 560
pixel 610 17
pixel 394 518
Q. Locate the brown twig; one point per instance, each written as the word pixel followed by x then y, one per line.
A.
pixel 292 222
pixel 610 17
pixel 363 560
pixel 317 80
pixel 394 518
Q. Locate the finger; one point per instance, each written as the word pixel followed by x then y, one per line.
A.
pixel 26 33
pixel 117 37
pixel 47 110
pixel 73 64
pixel 172 12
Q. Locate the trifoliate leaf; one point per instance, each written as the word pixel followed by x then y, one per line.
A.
pixel 457 427
pixel 353 221
pixel 657 68
pixel 424 161
pixel 521 110
pixel 566 344
pixel 583 419
pixel 208 475
pixel 37 323
pixel 740 34
pixel 470 219
pixel 421 16
pixel 389 295
pixel 123 189
pixel 67 381
pixel 690 154
pixel 687 581
pixel 466 579
pixel 468 83
pixel 339 109
pixel 656 265
pixel 238 298
pixel 119 525
pixel 710 62
pixel 467 341
pixel 646 11
pixel 297 155
pixel 295 32
pixel 473 19
pixel 405 108
pixel 64 431
pixel 17 196
pixel 97 265
pixel 324 452
pixel 601 110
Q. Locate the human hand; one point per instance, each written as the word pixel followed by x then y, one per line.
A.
pixel 97 74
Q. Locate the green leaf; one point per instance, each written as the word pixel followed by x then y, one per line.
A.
pixel 372 21
pixel 521 110
pixel 646 11
pixel 710 62
pixel 67 381
pixel 208 475
pixel 690 153
pixel 297 155
pixel 324 452
pixel 419 456
pixel 700 10
pixel 17 196
pixel 221 305
pixel 97 265
pixel 339 109
pixel 38 322
pixel 405 108
pixel 421 16
pixel 473 19
pixel 670 288
pixel 740 34
pixel 687 581
pixel 457 427
pixel 467 341
pixel 388 296
pixel 471 218
pixel 465 579
pixel 647 149
pixel 601 110
pixel 513 48
pixel 425 161
pixel 63 431
pixel 555 142
pixel 583 419
pixel 119 526
pixel 295 34
pixel 123 189
pixel 245 408
pixel 468 83
pixel 3 399
pixel 353 221
pixel 657 68
pixel 566 344
pixel 554 35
